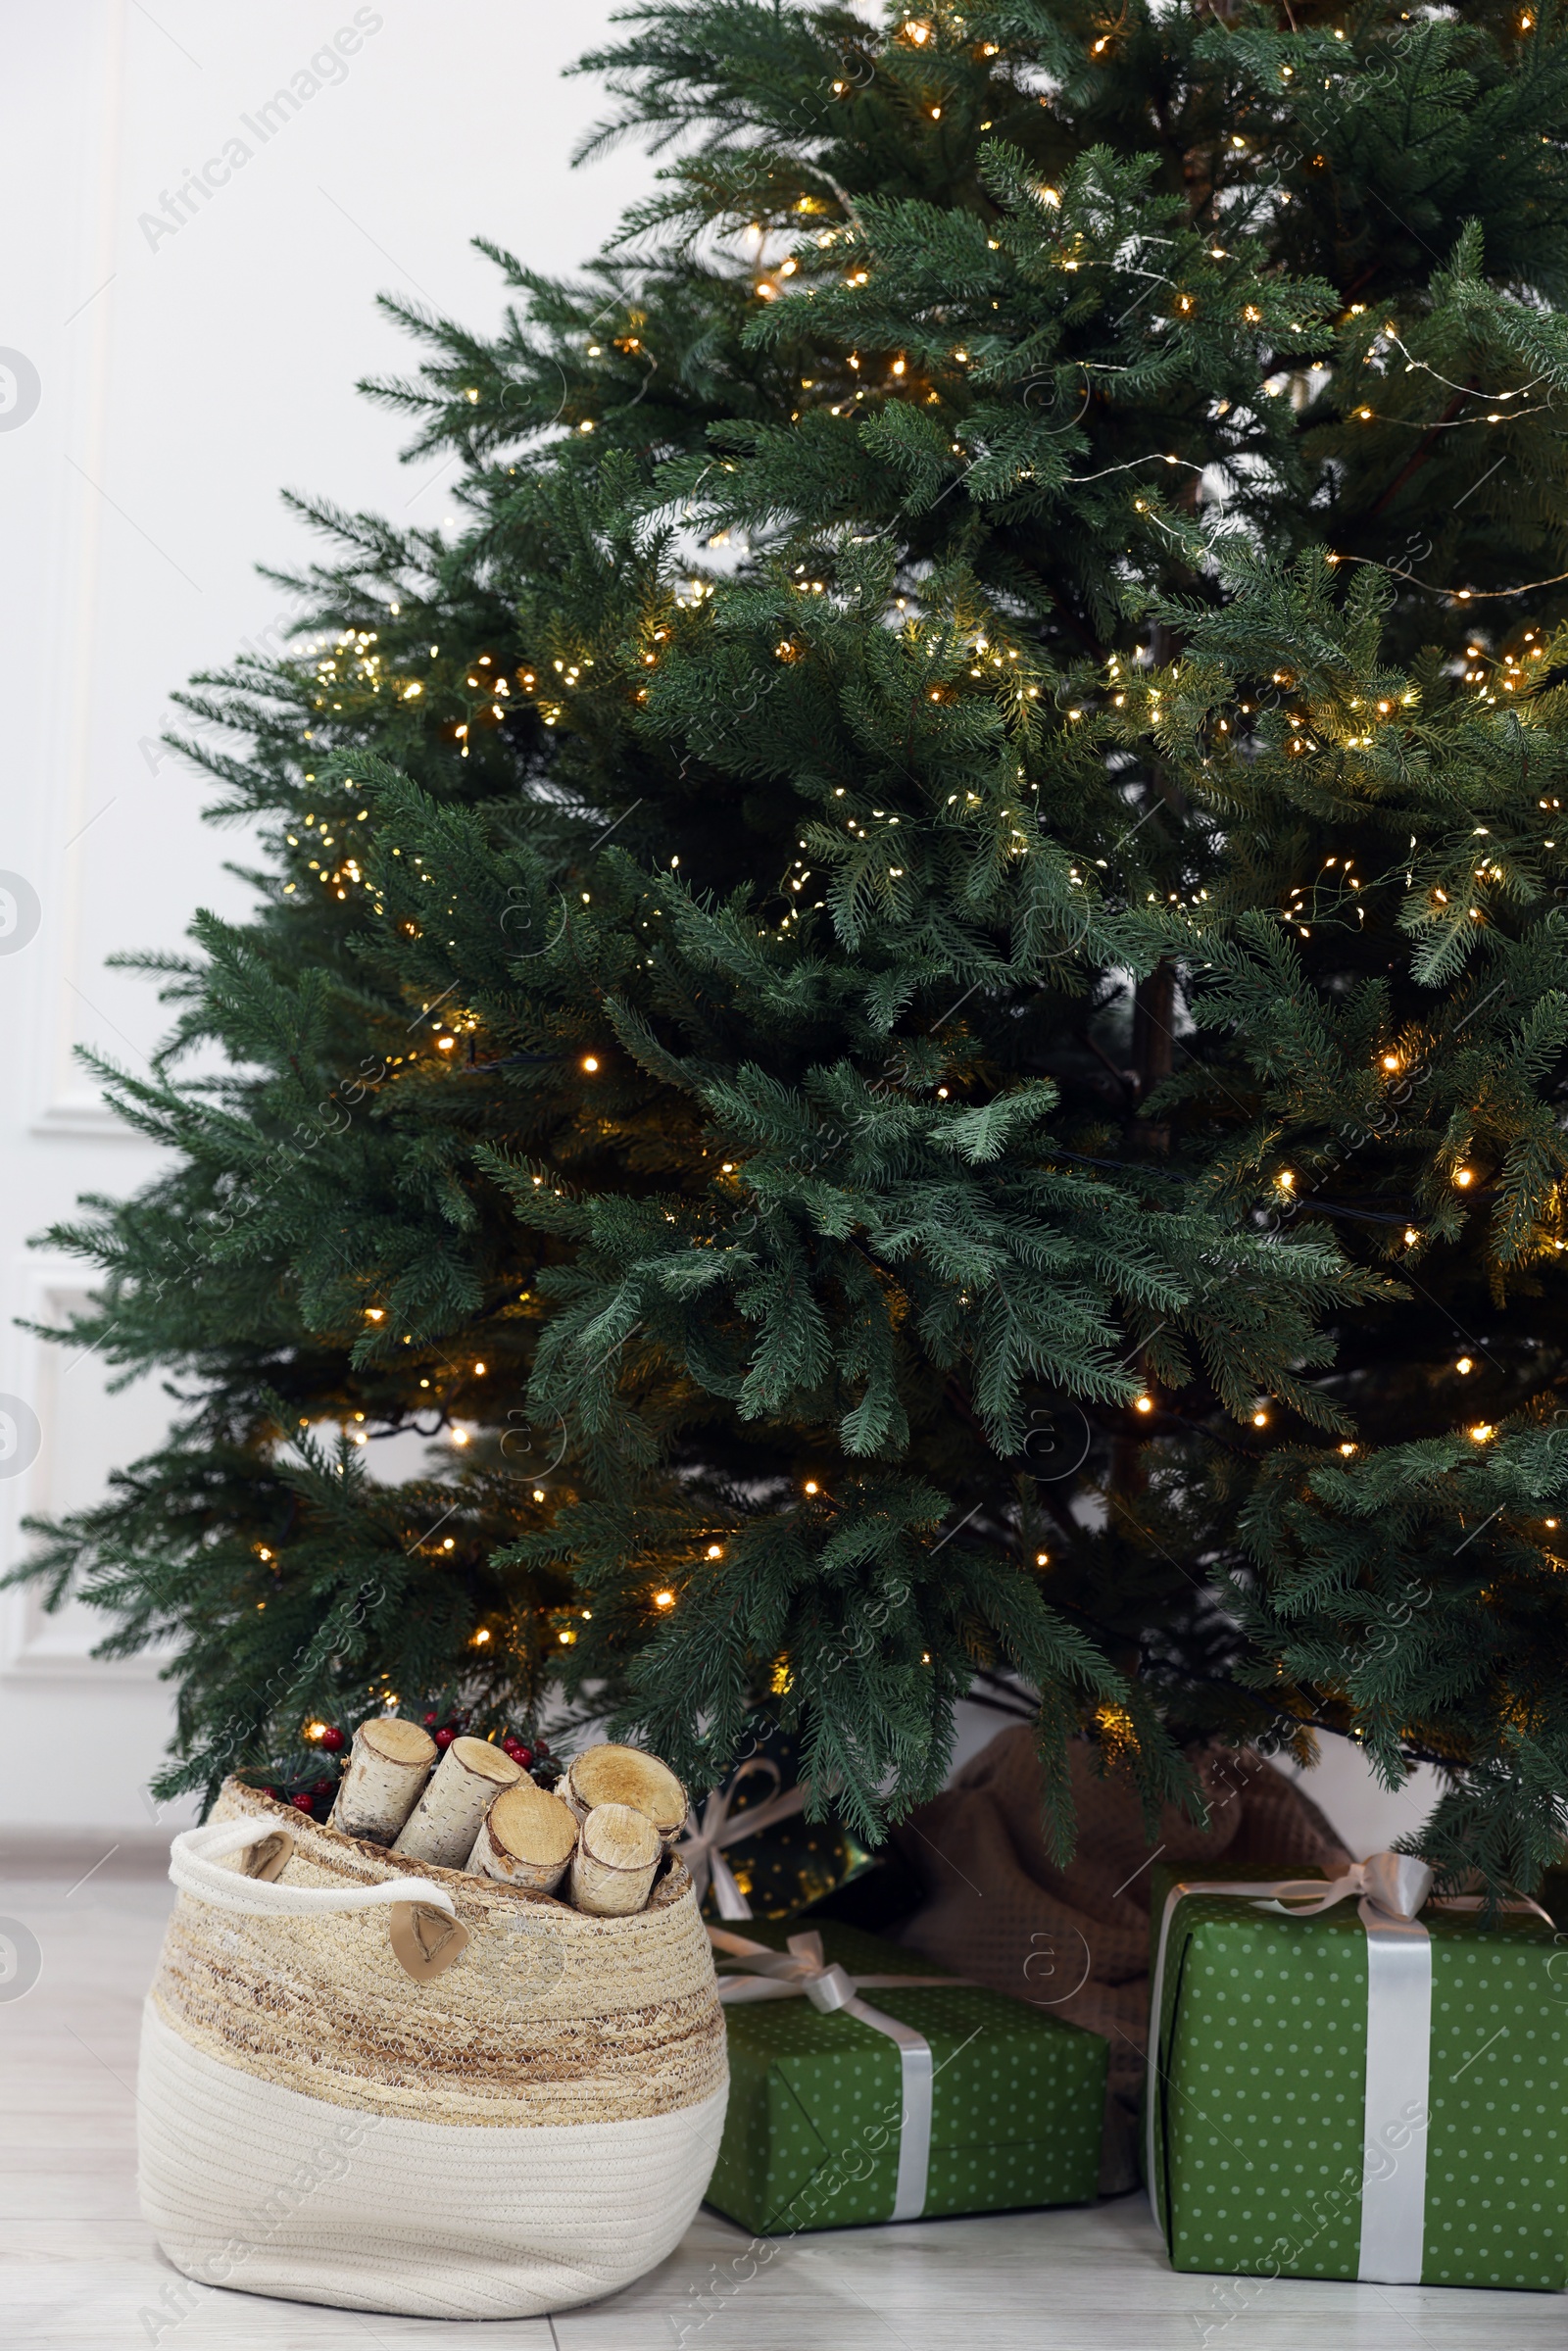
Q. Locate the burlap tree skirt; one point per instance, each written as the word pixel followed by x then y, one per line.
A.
pixel 1075 1938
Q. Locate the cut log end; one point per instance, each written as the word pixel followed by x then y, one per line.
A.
pixel 528 1838
pixel 626 1776
pixel 398 1742
pixel 618 1850
pixel 486 1761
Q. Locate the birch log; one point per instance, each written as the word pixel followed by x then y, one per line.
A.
pixel 443 1824
pixel 611 1775
pixel 388 1765
pixel 528 1838
pixel 617 1852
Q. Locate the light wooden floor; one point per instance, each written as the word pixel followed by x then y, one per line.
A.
pixel 78 2268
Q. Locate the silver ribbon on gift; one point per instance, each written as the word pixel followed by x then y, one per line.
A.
pixel 803 1971
pixel 703 1847
pixel 1388 1889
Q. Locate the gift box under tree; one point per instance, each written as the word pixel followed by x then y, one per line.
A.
pixel 751 1852
pixel 1378 2091
pixel 954 2099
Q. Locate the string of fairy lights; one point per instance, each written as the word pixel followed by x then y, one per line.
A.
pixel 356 663
pixel 1512 675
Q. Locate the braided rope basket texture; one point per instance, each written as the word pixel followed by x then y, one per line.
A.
pixel 529 2130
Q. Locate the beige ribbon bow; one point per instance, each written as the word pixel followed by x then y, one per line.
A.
pixel 1388 1887
pixel 703 1847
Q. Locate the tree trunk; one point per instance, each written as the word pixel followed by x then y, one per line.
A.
pixel 1154 1040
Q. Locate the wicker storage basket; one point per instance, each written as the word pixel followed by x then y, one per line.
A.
pixel 529 2127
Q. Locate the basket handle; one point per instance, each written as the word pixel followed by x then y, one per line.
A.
pixel 195 1854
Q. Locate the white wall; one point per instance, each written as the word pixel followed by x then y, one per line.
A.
pixel 183 375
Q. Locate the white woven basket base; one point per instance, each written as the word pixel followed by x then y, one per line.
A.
pixel 253 2186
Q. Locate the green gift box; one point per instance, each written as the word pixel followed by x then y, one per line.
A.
pixel 959 2099
pixel 1378 2090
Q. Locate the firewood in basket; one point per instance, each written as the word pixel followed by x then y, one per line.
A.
pixel 611 1775
pixel 387 1770
pixel 618 1850
pixel 528 1838
pixel 443 1823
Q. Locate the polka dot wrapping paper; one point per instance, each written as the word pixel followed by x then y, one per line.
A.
pixel 811 2137
pixel 1260 2117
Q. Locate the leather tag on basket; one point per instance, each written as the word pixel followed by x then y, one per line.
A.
pixel 270 1857
pixel 424 1940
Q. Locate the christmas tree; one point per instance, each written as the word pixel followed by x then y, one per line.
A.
pixel 913 1003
